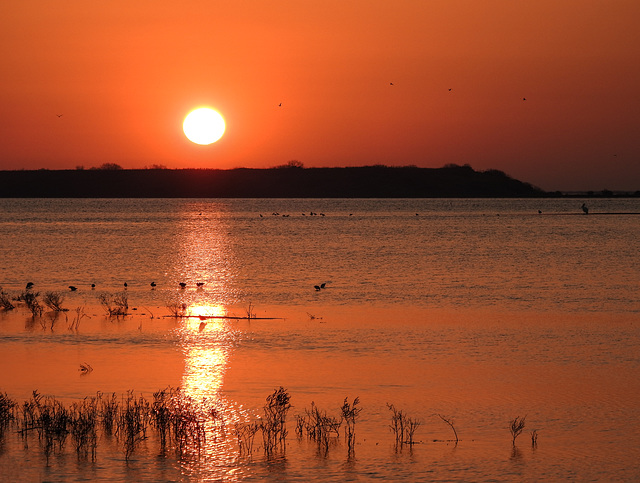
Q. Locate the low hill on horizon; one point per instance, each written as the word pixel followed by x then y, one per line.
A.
pixel 280 182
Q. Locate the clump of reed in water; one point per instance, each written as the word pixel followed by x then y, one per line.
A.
pixel 5 301
pixel 177 309
pixel 49 418
pixel 30 298
pixel 516 427
pixel 178 419
pixel 116 305
pixel 319 427
pixel 132 422
pixel 7 408
pixel 188 425
pixel 75 321
pixel 273 425
pixel 54 300
pixel 246 435
pixel 83 427
pixel 350 413
pixel 108 409
pixel 403 427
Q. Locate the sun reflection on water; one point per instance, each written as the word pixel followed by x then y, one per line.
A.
pixel 204 345
pixel 207 340
pixel 203 261
pixel 203 257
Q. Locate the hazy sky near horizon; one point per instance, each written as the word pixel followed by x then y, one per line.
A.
pixel 545 90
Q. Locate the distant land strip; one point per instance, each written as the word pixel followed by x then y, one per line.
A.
pixel 281 182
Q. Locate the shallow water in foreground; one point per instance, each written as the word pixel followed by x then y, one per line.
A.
pixel 477 310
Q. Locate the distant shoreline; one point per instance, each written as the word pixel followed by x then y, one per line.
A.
pixel 281 182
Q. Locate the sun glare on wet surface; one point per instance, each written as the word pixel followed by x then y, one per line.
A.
pixel 203 126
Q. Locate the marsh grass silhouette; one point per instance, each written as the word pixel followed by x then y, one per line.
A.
pixel 132 422
pixel 273 425
pixel 5 301
pixel 516 427
pixel 116 305
pixel 246 433
pixel 403 427
pixel 30 298
pixel 54 300
pixel 7 412
pixel 350 413
pixel 178 422
pixel 108 407
pixel 83 427
pixel 250 311
pixel 177 309
pixel 319 427
pixel 188 425
pixel 49 418
pixel 75 321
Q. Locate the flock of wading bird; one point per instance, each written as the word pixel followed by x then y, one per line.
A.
pixel 153 285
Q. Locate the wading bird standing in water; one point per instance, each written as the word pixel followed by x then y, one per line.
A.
pixel 585 208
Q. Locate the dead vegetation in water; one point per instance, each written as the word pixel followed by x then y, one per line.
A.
pixel 5 301
pixel 516 427
pixel 350 413
pixel 74 324
pixel 534 438
pixel 403 427
pixel 85 368
pixel 273 425
pixel 7 412
pixel 54 300
pixel 116 305
pixel 319 427
pixel 177 309
pixel 30 299
pixel 449 421
pixel 184 426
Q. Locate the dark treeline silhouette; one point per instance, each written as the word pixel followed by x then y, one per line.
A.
pixel 280 182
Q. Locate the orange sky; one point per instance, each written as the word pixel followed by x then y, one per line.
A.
pixel 125 73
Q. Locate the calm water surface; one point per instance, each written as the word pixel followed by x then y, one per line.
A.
pixel 478 310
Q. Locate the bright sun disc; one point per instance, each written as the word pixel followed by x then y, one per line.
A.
pixel 203 126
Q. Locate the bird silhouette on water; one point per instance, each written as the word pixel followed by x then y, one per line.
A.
pixel 72 288
pixel 153 285
pixel 29 286
pixel 585 209
pixel 182 285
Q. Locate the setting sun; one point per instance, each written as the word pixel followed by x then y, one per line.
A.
pixel 203 126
